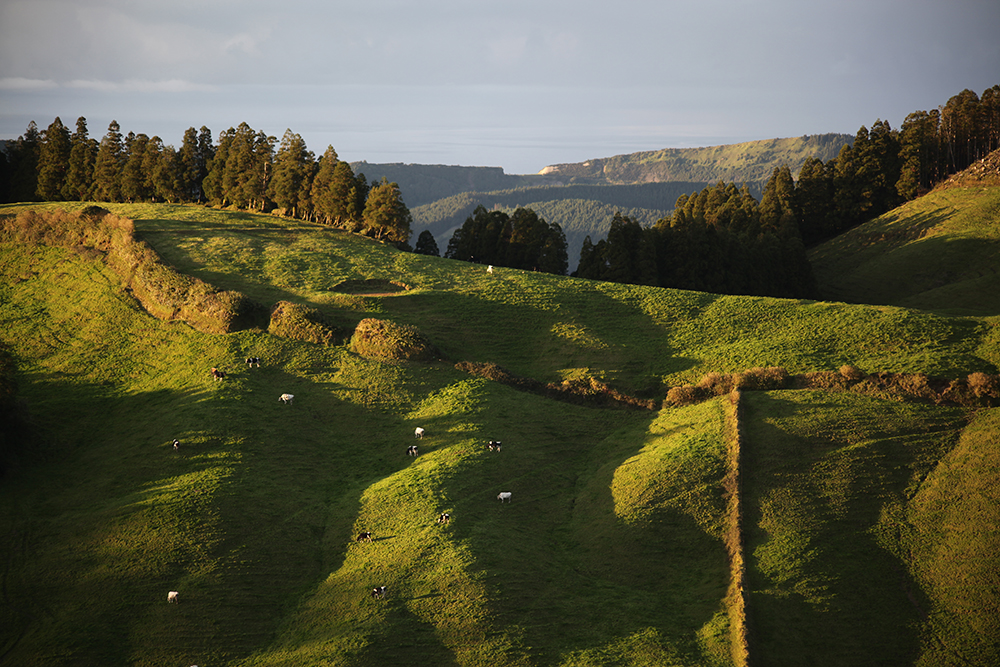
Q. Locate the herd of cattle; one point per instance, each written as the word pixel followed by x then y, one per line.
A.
pixel 365 536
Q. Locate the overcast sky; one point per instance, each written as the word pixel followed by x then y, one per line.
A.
pixel 507 83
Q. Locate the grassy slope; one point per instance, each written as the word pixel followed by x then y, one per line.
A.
pixel 851 542
pixel 614 513
pixel 939 252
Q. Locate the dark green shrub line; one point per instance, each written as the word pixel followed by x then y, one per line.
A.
pixel 590 391
pixel 976 390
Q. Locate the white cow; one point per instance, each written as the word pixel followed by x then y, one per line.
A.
pixel 286 398
pixel 503 495
pixel 489 269
pixel 418 432
pixel 172 596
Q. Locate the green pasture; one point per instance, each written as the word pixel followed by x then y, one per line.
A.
pixel 611 552
pixel 940 252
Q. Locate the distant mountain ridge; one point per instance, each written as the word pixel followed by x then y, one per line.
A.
pixel 747 162
pixel 583 197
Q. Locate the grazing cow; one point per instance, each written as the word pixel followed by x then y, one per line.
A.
pixel 217 374
pixel 172 597
pixel 503 495
pixel 379 592
pixel 177 444
pixel 412 450
pixel 494 445
pixel 444 518
pixel 418 432
pixel 286 398
pixel 365 537
pixel 489 269
pixel 253 361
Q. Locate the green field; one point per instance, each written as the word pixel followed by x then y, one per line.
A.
pixel 868 522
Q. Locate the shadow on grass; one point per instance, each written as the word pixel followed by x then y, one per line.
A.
pixel 821 586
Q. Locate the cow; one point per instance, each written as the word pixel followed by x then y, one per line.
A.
pixel 444 518
pixel 494 445
pixel 177 444
pixel 364 537
pixel 418 432
pixel 379 592
pixel 253 361
pixel 489 269
pixel 286 398
pixel 217 374
pixel 412 450
pixel 503 495
pixel 172 597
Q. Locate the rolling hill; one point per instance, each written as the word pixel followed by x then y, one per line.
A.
pixel 833 519
pixel 940 252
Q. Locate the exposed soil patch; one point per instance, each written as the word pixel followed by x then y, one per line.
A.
pixel 371 287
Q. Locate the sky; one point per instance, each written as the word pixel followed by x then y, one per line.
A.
pixel 508 83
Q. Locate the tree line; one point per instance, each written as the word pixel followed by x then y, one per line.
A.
pixel 723 240
pixel 244 169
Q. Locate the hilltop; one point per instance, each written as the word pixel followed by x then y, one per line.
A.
pixel 749 162
pixel 939 252
pixel 838 524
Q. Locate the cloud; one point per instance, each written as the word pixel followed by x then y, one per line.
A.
pixel 141 86
pixel 23 84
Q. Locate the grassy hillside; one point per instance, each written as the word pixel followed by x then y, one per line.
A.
pixel 750 162
pixel 612 550
pixel 940 252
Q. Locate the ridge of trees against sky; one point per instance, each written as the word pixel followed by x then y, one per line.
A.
pixel 719 240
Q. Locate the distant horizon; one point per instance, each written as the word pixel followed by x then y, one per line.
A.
pixel 515 85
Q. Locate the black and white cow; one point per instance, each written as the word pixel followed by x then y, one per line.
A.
pixel 379 592
pixel 365 537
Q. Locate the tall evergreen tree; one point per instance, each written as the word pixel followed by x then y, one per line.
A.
pixel 53 161
pixel 83 154
pixel 919 154
pixel 23 157
pixel 776 202
pixel 108 165
pixel 133 184
pixel 385 215
pixel 292 179
pixel 426 245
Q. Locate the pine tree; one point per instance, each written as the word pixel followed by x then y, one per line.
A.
pixel 53 161
pixel 23 165
pixel 385 215
pixel 293 169
pixel 108 165
pixel 426 245
pixel 83 153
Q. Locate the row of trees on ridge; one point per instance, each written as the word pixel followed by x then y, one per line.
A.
pixel 718 240
pixel 246 169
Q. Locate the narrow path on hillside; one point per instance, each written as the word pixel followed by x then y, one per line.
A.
pixel 733 489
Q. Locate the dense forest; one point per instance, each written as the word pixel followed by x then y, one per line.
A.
pixel 721 239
